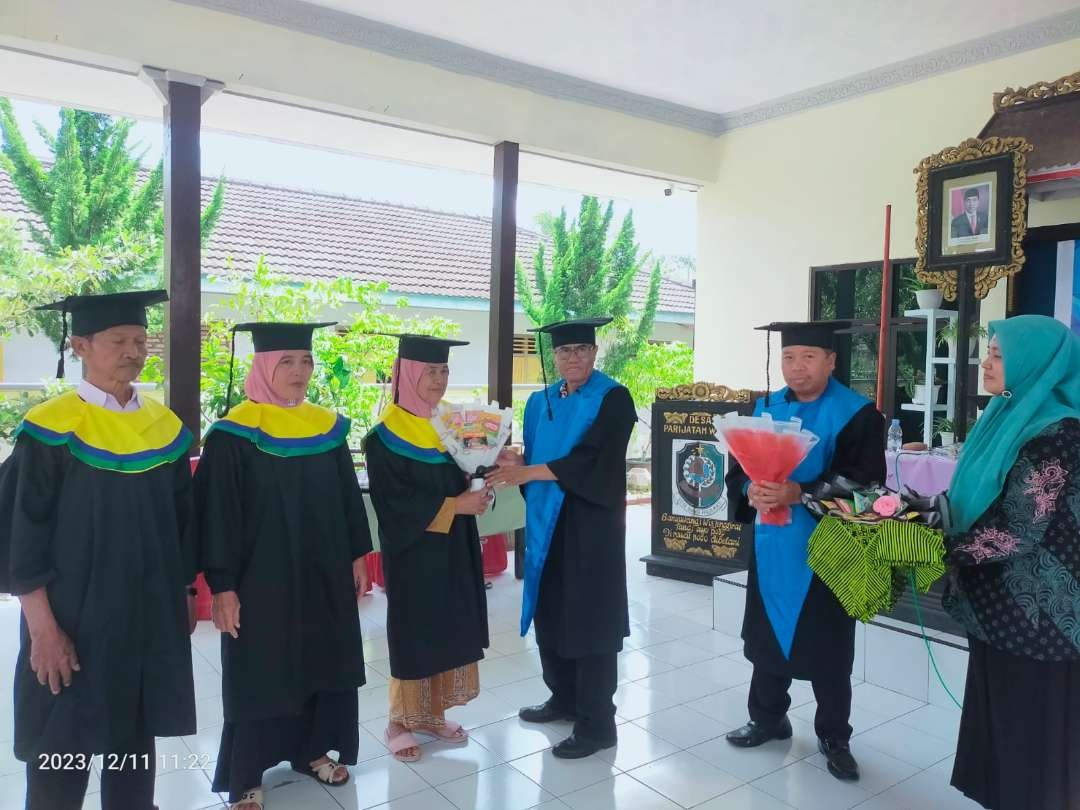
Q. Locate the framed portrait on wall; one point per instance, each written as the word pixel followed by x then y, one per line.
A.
pixel 972 211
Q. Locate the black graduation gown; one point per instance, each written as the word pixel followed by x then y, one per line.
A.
pixel 582 608
pixel 824 644
pixel 282 532
pixel 113 551
pixel 436 604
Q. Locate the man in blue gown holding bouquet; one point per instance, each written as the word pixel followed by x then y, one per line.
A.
pixel 794 627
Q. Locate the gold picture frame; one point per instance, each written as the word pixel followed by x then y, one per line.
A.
pixel 990 176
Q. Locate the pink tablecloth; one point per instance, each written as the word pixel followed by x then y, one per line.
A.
pixel 926 473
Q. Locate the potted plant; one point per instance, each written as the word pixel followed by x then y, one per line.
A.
pixel 944 429
pixel 928 296
pixel 977 332
pixel 923 394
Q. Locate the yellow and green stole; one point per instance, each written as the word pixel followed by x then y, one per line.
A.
pixel 128 442
pixel 410 436
pixel 304 430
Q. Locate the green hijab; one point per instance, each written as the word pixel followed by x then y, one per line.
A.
pixel 1041 357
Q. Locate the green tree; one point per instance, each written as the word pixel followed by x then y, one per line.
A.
pixel 89 195
pixel 586 276
pixel 658 365
pixel 352 363
pixel 589 277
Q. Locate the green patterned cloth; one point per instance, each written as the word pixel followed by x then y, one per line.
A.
pixel 867 565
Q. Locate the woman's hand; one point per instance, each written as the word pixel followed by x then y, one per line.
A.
pixel 768 495
pixel 512 476
pixel 53 658
pixel 509 457
pixel 226 613
pixel 360 576
pixel 473 503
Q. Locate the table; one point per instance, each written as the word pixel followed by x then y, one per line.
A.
pixel 926 472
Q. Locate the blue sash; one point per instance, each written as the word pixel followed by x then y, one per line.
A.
pixel 780 551
pixel 547 440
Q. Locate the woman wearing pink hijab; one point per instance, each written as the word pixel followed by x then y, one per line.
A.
pixel 282 537
pixel 436 612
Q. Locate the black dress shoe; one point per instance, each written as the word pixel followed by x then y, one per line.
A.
pixel 754 734
pixel 544 713
pixel 575 747
pixel 842 764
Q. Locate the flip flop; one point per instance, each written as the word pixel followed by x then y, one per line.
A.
pixel 452 733
pixel 402 741
pixel 324 774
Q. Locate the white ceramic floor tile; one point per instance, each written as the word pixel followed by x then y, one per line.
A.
pixel 634 700
pixel 516 695
pixel 527 659
pixel 729 604
pixel 488 707
pixel 677 653
pixel 749 764
pixel 715 642
pixel 884 702
pixel 186 790
pixel 807 788
pixel 13 790
pixel 861 719
pixel 681 726
pixel 429 799
pixel 561 776
pixel 619 793
pixel 501 671
pixel 744 798
pixel 952 666
pixel 373 703
pixel 721 673
pixel 440 763
pixel 512 738
pixel 897 661
pixel 637 664
pixel 680 626
pixel 642 636
pixel 375 649
pixel 636 747
pixel 205 744
pixel 173 754
pixel 499 788
pixel 905 743
pixel 686 779
pixel 376 782
pixel 927 789
pixel 512 642
pixel 208 712
pixel 936 720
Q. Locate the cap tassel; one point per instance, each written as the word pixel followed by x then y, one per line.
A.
pixel 543 375
pixel 232 363
pixel 63 343
pixel 768 362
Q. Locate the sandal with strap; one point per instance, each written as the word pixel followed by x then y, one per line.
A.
pixel 402 741
pixel 451 733
pixel 254 797
pixel 324 773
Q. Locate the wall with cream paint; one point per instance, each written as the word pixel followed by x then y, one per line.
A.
pixel 811 189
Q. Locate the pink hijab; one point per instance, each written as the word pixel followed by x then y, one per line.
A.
pixel 257 384
pixel 405 383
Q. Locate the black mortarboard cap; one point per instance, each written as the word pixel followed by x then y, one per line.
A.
pixel 276 336
pixel 91 314
pixel 425 348
pixel 821 334
pixel 271 336
pixel 578 330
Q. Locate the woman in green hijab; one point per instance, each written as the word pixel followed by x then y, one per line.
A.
pixel 1015 578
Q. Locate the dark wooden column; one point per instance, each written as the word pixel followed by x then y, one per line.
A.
pixel 182 97
pixel 503 259
pixel 965 308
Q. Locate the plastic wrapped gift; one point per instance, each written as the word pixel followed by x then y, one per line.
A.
pixel 473 433
pixel 768 451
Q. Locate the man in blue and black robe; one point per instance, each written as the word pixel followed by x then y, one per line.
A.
pixel 794 627
pixel 574 478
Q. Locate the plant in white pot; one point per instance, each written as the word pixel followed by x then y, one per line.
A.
pixel 976 333
pixel 923 394
pixel 943 429
pixel 928 296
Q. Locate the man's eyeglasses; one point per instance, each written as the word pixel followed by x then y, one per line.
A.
pixel 580 350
